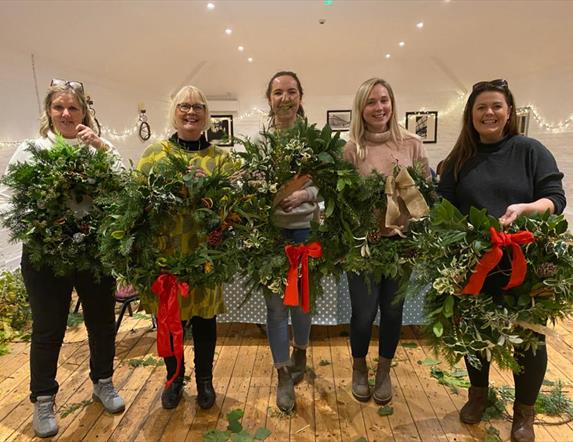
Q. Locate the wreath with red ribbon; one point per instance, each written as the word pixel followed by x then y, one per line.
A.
pixel 456 256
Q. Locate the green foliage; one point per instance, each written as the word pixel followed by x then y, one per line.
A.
pixel 554 402
pixel 455 379
pixel 449 247
pixel 235 431
pixel 150 361
pixel 269 164
pixel 75 319
pixel 15 314
pixel 409 344
pixel 136 235
pixel 324 362
pixel 56 207
pixel 386 410
pixel 428 362
pixel 73 407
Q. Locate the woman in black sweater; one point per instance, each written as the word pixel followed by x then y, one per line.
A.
pixel 493 167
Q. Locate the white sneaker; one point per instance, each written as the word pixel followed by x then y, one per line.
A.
pixel 44 420
pixel 105 392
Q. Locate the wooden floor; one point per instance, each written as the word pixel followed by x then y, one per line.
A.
pixel 244 379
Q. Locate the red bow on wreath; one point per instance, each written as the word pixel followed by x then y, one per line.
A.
pixel 166 288
pixel 493 256
pixel 299 255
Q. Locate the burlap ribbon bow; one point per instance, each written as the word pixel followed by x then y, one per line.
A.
pixel 404 202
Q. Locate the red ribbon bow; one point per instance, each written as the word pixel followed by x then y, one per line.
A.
pixel 166 288
pixel 493 256
pixel 299 255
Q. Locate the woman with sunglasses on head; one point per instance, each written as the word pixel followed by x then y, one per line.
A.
pixel 293 215
pixel 66 114
pixel 189 116
pixel 491 166
pixel 377 144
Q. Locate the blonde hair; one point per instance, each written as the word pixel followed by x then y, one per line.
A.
pixel 188 92
pixel 46 124
pixel 357 125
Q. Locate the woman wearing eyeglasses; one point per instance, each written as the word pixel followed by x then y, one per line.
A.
pixel 377 144
pixel 66 113
pixel 189 116
pixel 491 166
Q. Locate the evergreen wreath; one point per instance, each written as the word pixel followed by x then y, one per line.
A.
pixel 450 246
pixel 135 237
pixel 56 206
pixel 269 165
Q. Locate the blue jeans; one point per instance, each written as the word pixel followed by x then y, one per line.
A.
pixel 277 316
pixel 365 304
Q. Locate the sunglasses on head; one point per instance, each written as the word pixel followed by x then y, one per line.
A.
pixel 499 84
pixel 75 85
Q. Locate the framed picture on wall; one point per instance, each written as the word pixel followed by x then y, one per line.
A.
pixel 523 114
pixel 339 120
pixel 423 124
pixel 221 130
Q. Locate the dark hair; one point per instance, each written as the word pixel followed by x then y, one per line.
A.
pixel 300 110
pixel 468 140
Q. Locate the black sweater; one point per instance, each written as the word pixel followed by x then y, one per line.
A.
pixel 514 170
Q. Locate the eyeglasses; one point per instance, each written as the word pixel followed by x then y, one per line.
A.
pixel 75 85
pixel 498 84
pixel 186 107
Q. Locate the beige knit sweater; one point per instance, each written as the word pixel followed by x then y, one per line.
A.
pixel 382 154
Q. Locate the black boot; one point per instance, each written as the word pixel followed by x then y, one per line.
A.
pixel 172 395
pixel 205 393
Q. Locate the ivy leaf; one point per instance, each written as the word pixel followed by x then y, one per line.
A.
pixel 235 414
pixel 479 218
pixel 325 157
pixel 438 328
pixel 234 426
pixel 262 433
pixel 386 410
pixel 215 436
pixel 449 307
pixel 243 436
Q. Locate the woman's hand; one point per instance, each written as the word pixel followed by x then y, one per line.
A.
pixel 515 210
pixel 89 137
pixel 294 200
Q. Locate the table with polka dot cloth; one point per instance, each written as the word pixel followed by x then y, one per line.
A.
pixel 331 309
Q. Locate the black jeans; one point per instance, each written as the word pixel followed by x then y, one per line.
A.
pixel 365 302
pixel 204 333
pixel 50 298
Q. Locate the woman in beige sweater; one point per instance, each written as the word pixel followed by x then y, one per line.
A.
pixel 377 144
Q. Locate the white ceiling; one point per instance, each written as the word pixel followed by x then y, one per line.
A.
pixel 160 45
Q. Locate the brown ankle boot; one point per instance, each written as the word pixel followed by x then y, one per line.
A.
pixel 472 411
pixel 522 427
pixel 360 387
pixel 383 385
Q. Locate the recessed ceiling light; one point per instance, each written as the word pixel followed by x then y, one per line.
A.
pixel 250 59
pixel 402 44
pixel 420 25
pixel 210 6
pixel 241 48
pixel 387 56
pixel 228 31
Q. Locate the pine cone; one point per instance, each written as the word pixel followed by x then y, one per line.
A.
pixel 214 238
pixel 546 270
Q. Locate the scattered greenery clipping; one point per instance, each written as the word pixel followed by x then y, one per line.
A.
pixel 150 361
pixel 235 431
pixel 73 407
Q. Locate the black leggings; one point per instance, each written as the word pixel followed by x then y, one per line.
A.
pixel 204 333
pixel 365 304
pixel 50 298
pixel 527 382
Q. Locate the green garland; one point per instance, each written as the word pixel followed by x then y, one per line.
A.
pixel 450 245
pixel 56 207
pixel 135 237
pixel 269 163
